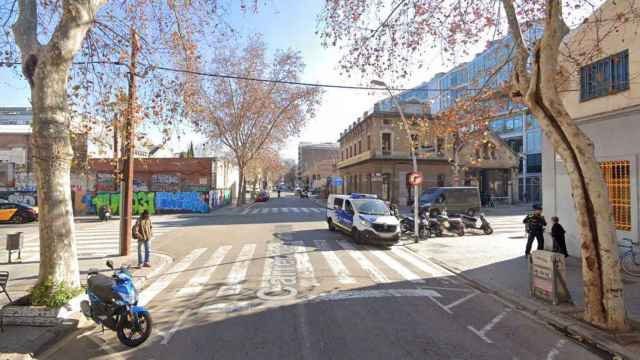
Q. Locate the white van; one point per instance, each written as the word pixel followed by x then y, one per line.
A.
pixel 365 217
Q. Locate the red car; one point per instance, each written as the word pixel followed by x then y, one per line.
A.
pixel 262 196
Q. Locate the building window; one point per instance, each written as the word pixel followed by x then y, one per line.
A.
pixel 359 146
pixel 386 143
pixel 368 142
pixel 415 140
pixel 617 177
pixel 386 121
pixel 440 145
pixel 534 142
pixel 534 163
pixel 603 77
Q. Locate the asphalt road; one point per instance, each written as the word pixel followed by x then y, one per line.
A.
pixel 271 282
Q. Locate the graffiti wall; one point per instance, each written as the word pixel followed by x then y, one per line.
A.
pixel 155 202
pixel 22 197
pixel 182 201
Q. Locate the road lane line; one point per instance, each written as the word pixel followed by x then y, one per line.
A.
pixel 195 284
pixel 555 351
pixel 149 293
pixel 342 274
pixel 238 272
pixel 376 275
pixel 176 327
pixel 303 264
pixel 460 301
pixel 305 210
pixel 377 293
pixel 482 332
pixel 396 266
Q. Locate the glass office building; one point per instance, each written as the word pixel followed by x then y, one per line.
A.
pixel 514 125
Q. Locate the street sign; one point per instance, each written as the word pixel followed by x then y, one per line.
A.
pixel 415 178
pixel 547 277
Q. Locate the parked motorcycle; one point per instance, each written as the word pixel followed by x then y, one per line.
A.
pixel 452 225
pixel 471 222
pixel 113 303
pixel 105 213
pixel 428 226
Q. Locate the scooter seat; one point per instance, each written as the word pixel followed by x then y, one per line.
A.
pixel 102 286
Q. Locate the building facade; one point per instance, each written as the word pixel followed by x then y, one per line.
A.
pixel 513 124
pixel 316 162
pixel 607 109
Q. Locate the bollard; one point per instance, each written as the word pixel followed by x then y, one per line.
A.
pixel 14 243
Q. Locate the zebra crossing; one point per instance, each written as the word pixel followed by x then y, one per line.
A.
pixel 278 210
pixel 233 272
pixel 99 240
pixel 508 225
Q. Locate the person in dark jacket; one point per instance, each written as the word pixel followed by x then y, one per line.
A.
pixel 557 234
pixel 535 224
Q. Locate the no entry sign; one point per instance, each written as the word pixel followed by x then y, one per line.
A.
pixel 415 178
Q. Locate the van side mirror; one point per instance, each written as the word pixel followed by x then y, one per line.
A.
pixel 110 264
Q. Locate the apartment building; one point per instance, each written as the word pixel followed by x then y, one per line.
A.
pixel 607 108
pixel 316 162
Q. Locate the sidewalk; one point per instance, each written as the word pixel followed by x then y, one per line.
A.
pixel 22 342
pixel 497 265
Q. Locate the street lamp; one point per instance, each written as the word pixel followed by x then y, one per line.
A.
pixel 416 222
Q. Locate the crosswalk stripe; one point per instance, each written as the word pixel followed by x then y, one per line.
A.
pixel 245 211
pixel 285 210
pixel 315 210
pixel 296 210
pixel 149 293
pixel 268 265
pixel 238 272
pixel 305 210
pixel 255 211
pixel 303 264
pixel 265 210
pixel 415 261
pixel 338 268
pixel 196 283
pixel 376 275
pixel 275 210
pixel 396 266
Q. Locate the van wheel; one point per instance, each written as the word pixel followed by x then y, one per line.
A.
pixel 331 226
pixel 356 236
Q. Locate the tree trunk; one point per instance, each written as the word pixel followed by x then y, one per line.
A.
pixel 242 199
pixel 53 155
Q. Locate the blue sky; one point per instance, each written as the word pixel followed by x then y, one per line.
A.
pixel 284 24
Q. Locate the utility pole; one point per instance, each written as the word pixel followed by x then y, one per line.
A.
pixel 128 141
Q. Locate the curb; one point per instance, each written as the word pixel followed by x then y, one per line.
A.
pixel 567 325
pixel 53 346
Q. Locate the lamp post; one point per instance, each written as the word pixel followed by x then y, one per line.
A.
pixel 416 222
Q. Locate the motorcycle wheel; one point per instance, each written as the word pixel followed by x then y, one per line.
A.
pixel 405 227
pixel 133 337
pixel 424 233
pixel 460 232
pixel 488 230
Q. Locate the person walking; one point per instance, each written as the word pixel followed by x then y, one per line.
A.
pixel 144 234
pixel 557 234
pixel 535 224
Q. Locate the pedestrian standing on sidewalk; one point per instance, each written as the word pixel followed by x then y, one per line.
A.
pixel 557 234
pixel 144 234
pixel 535 226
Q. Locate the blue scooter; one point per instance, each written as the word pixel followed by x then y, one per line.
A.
pixel 113 303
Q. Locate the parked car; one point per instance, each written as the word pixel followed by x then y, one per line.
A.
pixel 17 213
pixel 262 196
pixel 455 200
pixel 304 194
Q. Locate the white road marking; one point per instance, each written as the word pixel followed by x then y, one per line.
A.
pixel 555 351
pixel 305 210
pixel 245 211
pixel 342 274
pixel 149 293
pixel 268 264
pixel 461 300
pixel 482 332
pixel 195 284
pixel 285 210
pixel 303 264
pixel 229 307
pixel 255 211
pixel 395 265
pixel 412 259
pixel 376 275
pixel 238 272
pixel 265 210
pixel 359 294
pixel 315 210
pixel 296 210
pixel 275 210
pixel 176 327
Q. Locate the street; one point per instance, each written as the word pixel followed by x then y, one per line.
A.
pixel 272 282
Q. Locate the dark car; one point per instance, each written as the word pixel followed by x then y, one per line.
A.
pixel 17 213
pixel 262 196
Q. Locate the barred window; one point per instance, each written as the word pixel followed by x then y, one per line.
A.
pixel 617 177
pixel 603 77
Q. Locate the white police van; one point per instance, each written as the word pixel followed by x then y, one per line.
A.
pixel 365 217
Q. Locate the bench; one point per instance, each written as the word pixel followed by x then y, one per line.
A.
pixel 4 279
